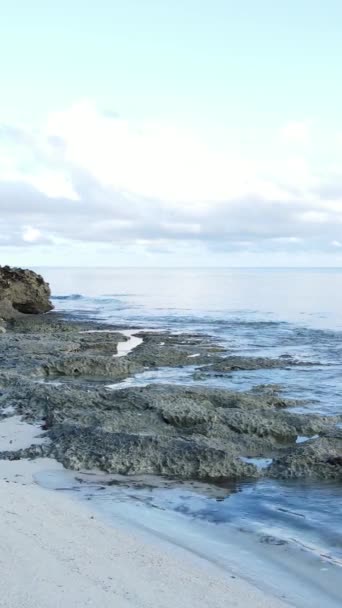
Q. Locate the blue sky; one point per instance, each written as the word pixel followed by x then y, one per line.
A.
pixel 171 133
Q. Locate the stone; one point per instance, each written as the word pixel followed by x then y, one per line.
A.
pixel 22 291
pixel 236 363
pixel 180 431
pixel 319 458
pixel 133 454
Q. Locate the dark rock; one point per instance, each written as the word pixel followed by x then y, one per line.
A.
pixel 231 424
pixel 124 453
pixel 189 432
pixel 235 363
pixel 316 459
pixel 96 366
pixel 164 349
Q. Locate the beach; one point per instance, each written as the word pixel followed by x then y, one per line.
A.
pixel 170 304
pixel 149 457
pixel 54 553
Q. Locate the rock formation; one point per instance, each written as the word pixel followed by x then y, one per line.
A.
pixel 22 291
pixel 181 431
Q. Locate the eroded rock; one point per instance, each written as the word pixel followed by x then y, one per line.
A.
pixel 134 454
pixel 96 366
pixel 319 458
pixel 190 432
pixel 22 291
pixel 236 363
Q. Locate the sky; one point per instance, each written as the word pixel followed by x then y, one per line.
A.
pixel 159 133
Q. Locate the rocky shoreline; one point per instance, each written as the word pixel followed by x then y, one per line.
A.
pixel 55 373
pixel 71 395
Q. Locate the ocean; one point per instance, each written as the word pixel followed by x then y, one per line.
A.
pixel 259 312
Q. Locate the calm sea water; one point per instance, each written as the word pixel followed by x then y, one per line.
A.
pixel 269 312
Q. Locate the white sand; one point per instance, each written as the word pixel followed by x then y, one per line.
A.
pixel 54 553
pixel 16 434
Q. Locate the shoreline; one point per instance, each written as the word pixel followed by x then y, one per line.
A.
pixel 54 550
pixel 27 496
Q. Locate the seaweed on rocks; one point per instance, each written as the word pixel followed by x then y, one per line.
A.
pixel 52 372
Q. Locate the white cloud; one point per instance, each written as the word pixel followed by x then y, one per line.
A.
pixel 30 234
pixel 149 160
pixel 315 217
pixel 54 184
pixel 288 239
pixel 296 132
pixel 88 177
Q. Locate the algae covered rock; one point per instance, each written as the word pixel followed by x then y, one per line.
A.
pixel 80 447
pixel 319 458
pixel 62 375
pixel 92 366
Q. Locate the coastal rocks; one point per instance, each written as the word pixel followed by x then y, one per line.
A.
pixel 59 374
pixel 44 345
pixel 236 363
pixel 161 408
pixel 155 394
pixel 163 349
pixel 104 343
pixel 310 424
pixel 188 414
pixel 172 430
pixel 124 453
pixel 95 366
pixel 32 452
pixel 319 458
pixel 22 291
pixel 260 425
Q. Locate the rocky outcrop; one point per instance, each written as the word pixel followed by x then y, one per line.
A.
pixel 181 431
pixel 134 453
pixel 235 363
pixel 22 291
pixel 192 433
pixel 319 458
pixel 164 349
pixel 90 365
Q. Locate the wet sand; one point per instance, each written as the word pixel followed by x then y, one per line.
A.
pixel 55 552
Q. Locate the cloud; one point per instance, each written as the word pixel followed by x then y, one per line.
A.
pixel 296 132
pixel 30 234
pixel 92 177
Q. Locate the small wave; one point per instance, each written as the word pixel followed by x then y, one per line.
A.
pixel 118 295
pixel 72 296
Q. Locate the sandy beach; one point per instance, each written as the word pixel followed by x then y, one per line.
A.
pixel 57 410
pixel 54 553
